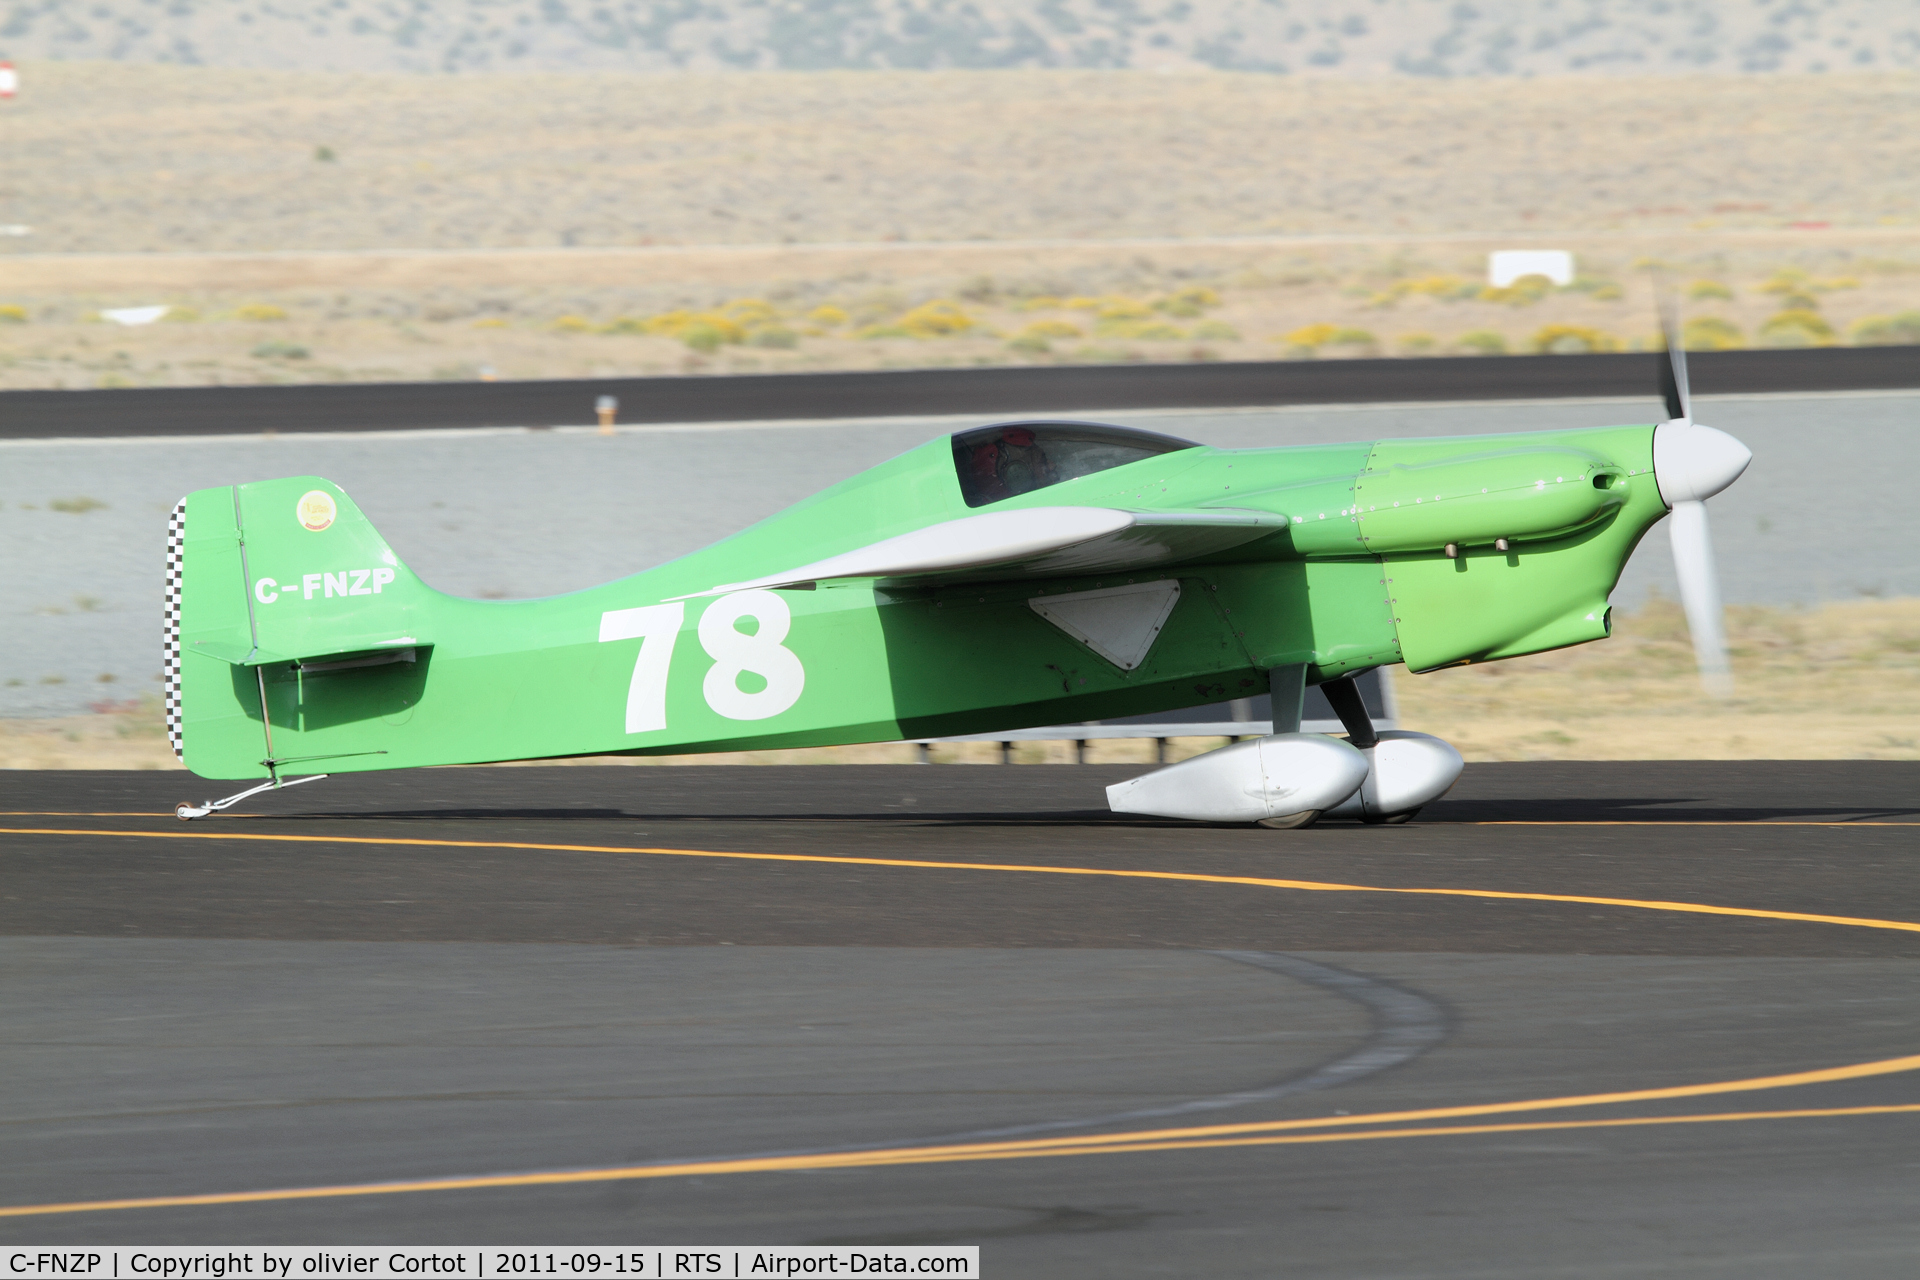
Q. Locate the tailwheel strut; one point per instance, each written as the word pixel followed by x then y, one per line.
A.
pixel 187 811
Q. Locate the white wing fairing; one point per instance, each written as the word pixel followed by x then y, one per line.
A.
pixel 1038 542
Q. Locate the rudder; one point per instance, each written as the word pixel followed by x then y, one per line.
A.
pixel 269 586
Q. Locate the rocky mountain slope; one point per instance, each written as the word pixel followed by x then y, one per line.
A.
pixel 1308 37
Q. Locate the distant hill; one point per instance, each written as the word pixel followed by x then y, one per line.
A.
pixel 1363 38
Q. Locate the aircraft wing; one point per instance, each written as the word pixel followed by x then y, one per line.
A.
pixel 1038 542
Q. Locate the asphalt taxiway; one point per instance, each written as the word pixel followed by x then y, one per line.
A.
pixel 1578 1019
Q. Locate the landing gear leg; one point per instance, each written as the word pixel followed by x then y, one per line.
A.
pixel 1288 685
pixel 187 811
pixel 1347 703
pixel 1344 696
pixel 1404 770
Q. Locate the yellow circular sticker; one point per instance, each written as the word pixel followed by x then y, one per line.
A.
pixel 315 510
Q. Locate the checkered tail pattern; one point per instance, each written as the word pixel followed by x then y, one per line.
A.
pixel 170 658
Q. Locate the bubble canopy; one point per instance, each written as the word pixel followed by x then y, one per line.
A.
pixel 1011 458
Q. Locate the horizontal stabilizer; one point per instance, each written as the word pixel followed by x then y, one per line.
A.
pixel 1038 542
pixel 350 652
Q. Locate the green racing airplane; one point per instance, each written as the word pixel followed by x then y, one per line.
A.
pixel 1021 574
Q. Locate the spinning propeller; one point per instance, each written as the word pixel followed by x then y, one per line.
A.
pixel 1691 464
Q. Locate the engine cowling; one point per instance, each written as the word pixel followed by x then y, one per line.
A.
pixel 1525 493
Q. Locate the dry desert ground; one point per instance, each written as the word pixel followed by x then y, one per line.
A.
pixel 306 227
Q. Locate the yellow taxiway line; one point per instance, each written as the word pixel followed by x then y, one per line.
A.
pixel 1472 822
pixel 1187 877
pixel 1114 1144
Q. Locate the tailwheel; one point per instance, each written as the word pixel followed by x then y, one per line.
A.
pixel 187 811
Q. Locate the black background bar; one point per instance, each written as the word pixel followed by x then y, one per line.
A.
pixel 898 393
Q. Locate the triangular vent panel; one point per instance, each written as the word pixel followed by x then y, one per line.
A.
pixel 1118 623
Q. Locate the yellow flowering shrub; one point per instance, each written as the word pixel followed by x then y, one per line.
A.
pixel 1573 339
pixel 1711 333
pixel 1797 327
pixel 712 327
pixel 1792 282
pixel 1444 287
pixel 1523 292
pixel 1124 309
pixel 1140 330
pixel 749 312
pixel 937 319
pixel 1312 335
pixel 1189 302
pixel 1883 331
pixel 702 337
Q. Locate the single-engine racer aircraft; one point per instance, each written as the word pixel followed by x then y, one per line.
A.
pixel 1022 574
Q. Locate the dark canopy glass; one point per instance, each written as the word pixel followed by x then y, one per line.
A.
pixel 1013 458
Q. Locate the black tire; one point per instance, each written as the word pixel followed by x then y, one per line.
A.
pixel 1391 819
pixel 1291 821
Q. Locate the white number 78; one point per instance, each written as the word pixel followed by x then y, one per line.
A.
pixel 656 626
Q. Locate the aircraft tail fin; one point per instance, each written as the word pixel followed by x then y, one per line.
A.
pixel 268 582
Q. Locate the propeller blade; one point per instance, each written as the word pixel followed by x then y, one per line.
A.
pixel 1700 595
pixel 1673 374
pixel 1692 463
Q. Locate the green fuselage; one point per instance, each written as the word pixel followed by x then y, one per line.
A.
pixel 1360 576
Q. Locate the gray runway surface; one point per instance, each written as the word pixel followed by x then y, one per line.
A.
pixel 1822 513
pixel 460 972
